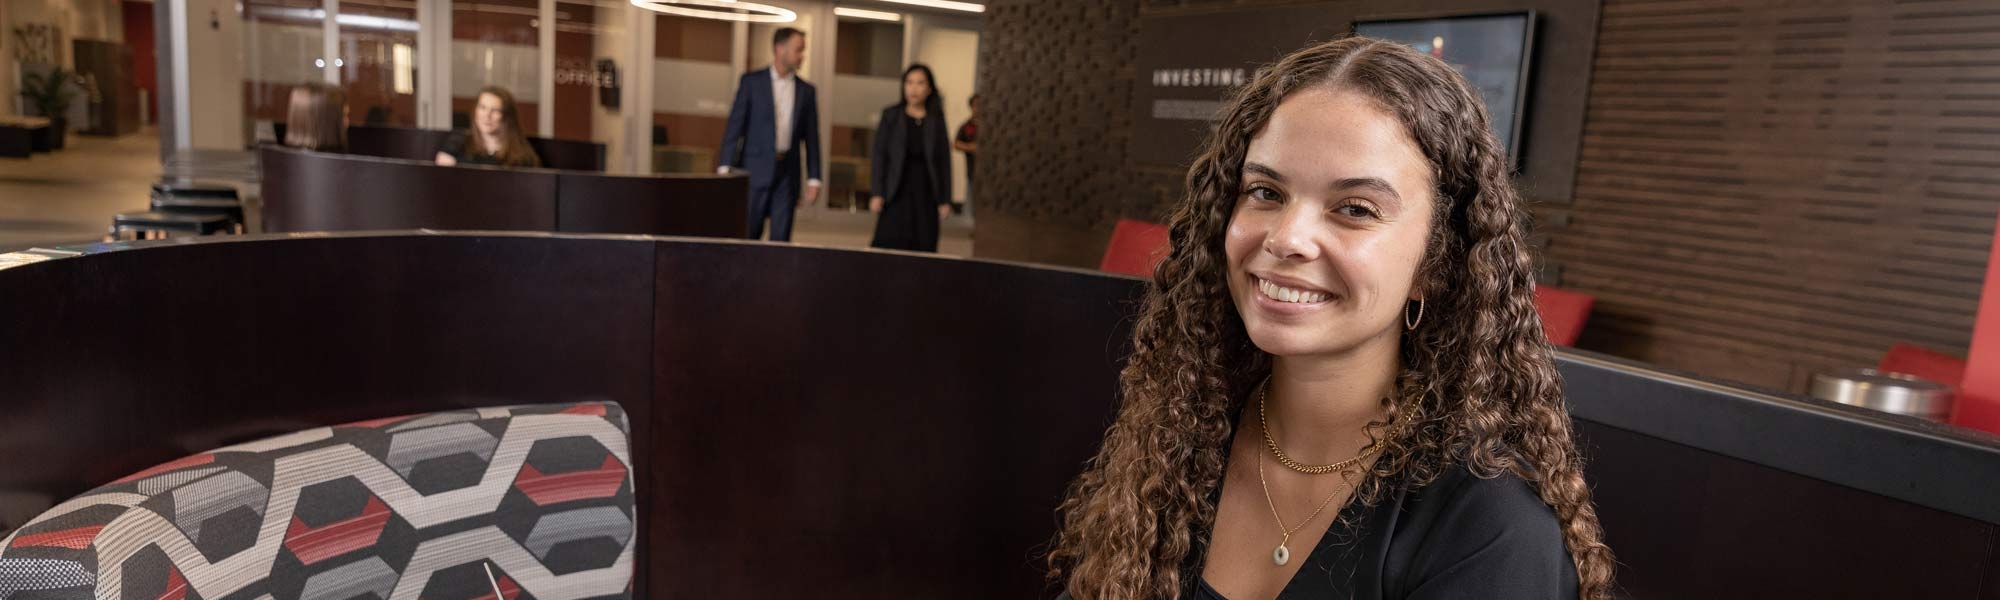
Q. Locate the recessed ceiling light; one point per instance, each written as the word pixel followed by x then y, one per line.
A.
pixel 860 13
pixel 944 4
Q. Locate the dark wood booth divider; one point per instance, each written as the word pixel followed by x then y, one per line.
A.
pixel 697 205
pixel 315 191
pixel 422 144
pixel 880 424
pixel 870 424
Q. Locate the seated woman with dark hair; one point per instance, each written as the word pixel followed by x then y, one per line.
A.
pixel 317 119
pixel 495 137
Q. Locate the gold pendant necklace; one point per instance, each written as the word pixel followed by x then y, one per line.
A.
pixel 1283 554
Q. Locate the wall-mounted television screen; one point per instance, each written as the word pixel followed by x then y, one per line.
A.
pixel 1492 50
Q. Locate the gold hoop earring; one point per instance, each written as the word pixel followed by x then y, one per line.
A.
pixel 1412 325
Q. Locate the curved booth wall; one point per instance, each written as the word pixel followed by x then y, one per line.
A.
pixel 866 423
pixel 316 191
pixel 423 144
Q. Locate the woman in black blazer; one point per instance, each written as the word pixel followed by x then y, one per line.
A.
pixel 911 167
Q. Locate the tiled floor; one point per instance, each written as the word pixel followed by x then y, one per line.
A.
pixel 819 226
pixel 70 196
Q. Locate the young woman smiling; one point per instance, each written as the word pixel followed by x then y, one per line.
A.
pixel 1340 387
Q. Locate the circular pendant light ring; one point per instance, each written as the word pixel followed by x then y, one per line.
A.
pixel 720 9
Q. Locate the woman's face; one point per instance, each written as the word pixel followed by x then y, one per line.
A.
pixel 1329 226
pixel 916 88
pixel 486 115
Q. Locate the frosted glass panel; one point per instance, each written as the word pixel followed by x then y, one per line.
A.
pixel 858 100
pixel 693 87
pixel 511 66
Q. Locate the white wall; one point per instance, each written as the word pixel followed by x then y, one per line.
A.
pixel 953 55
pixel 476 65
pixel 14 13
pixel 77 19
pixel 614 40
pixel 858 100
pixel 282 52
pixel 692 87
pixel 8 72
pixel 214 94
pixel 95 20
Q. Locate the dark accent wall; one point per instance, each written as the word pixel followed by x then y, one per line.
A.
pixel 1054 171
pixel 1768 188
pixel 1756 190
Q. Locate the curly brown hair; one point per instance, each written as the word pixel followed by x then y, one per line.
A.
pixel 1478 388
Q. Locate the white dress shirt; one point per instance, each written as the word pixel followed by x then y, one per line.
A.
pixel 784 95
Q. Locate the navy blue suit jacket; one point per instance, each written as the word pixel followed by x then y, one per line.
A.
pixel 753 122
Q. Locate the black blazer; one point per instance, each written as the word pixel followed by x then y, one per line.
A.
pixel 891 141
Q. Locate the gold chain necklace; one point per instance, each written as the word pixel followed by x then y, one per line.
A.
pixel 1283 554
pixel 1263 393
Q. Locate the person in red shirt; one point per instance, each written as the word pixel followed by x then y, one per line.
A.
pixel 967 141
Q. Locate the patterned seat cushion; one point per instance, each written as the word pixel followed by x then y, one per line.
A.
pixel 423 506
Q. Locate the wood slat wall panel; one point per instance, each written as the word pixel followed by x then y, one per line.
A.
pixel 1682 265
pixel 1059 82
pixel 1790 185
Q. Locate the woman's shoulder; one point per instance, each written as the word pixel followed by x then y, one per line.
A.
pixel 1501 504
pixel 1465 530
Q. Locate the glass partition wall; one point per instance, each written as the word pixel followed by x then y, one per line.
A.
pixel 495 42
pixel 867 77
pixel 654 86
pixel 695 77
pixel 283 47
pixel 377 60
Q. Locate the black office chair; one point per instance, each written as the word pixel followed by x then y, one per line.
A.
pixel 141 223
pixel 193 197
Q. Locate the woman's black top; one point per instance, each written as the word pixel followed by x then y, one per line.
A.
pixel 454 145
pixel 1458 537
pixel 911 170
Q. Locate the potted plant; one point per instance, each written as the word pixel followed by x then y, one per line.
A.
pixel 49 93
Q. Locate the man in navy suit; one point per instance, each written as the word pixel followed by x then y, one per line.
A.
pixel 775 118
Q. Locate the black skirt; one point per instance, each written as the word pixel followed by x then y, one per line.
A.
pixel 909 220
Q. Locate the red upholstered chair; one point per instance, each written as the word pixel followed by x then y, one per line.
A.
pixel 1136 247
pixel 421 506
pixel 1910 359
pixel 1563 313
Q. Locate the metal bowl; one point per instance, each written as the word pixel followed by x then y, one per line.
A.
pixel 1887 392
